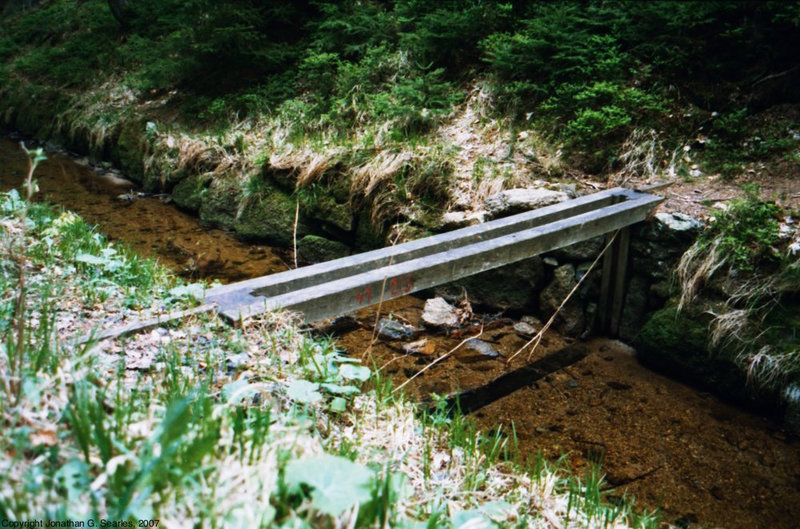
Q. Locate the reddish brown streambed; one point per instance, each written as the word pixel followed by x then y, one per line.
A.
pixel 664 443
pixel 147 224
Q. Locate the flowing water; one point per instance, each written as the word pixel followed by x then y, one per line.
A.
pixel 670 446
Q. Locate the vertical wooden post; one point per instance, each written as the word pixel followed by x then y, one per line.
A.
pixel 612 286
pixel 620 274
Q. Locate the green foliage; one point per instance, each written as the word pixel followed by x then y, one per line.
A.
pixel 589 73
pixel 337 483
pixel 747 229
pixel 735 138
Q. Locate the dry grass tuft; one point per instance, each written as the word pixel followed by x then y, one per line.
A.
pixel 489 155
pixel 698 264
pixel 95 115
pixel 376 182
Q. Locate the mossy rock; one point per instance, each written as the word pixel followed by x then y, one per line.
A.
pixel 676 343
pixel 513 286
pixel 34 111
pixel 339 186
pixel 128 153
pixel 315 249
pixel 220 204
pixel 285 179
pixel 368 236
pixel 269 217
pixel 325 208
pixel 190 192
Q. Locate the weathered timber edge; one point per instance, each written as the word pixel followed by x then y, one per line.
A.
pixel 328 299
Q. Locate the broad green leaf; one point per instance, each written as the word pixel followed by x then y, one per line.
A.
pixel 235 392
pixel 338 405
pixel 87 258
pixel 194 290
pixel 336 389
pixel 338 483
pixel 482 517
pixel 472 519
pixel 303 391
pixel 497 509
pixel 354 372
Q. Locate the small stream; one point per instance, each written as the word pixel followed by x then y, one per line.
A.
pixel 670 446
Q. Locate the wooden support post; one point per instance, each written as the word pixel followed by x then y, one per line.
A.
pixel 613 285
pixel 620 275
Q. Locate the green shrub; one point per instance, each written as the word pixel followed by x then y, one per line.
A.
pixel 747 229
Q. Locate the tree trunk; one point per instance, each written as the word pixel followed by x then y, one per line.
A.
pixel 120 10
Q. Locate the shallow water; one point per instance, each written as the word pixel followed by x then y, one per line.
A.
pixel 148 224
pixel 661 442
pixel 665 444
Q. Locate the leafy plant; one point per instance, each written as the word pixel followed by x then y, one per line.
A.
pixel 746 230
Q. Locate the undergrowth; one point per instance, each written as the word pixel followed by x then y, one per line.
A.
pixel 748 256
pixel 585 75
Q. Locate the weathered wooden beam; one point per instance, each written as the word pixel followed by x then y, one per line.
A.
pixel 620 264
pixel 343 295
pixel 284 282
pixel 138 326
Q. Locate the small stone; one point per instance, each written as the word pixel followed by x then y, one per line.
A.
pixel 234 362
pixel 439 313
pixel 482 347
pixel 679 222
pixel 531 320
pixel 453 220
pixel 525 329
pixel 424 347
pixel 572 383
pixel 518 200
pixel 394 330
pixel 550 261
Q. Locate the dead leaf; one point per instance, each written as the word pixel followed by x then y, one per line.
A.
pixel 43 437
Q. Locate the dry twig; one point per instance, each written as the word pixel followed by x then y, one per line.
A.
pixel 447 354
pixel 536 340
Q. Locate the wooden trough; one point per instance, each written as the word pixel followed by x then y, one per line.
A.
pixel 336 287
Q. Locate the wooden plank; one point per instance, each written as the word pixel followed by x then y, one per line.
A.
pixel 281 283
pixel 620 270
pixel 605 285
pixel 145 325
pixel 344 295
